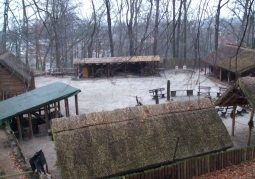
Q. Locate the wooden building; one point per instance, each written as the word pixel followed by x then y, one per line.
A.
pixel 230 61
pixel 96 67
pixel 15 76
pixel 111 143
pixel 25 112
pixel 241 94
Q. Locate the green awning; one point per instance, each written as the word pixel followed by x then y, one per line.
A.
pixel 35 99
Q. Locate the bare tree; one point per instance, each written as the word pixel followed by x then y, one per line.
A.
pixel 5 25
pixel 107 3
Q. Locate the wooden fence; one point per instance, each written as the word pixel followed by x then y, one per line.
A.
pixel 196 166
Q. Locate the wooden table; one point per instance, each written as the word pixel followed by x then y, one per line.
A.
pixel 161 94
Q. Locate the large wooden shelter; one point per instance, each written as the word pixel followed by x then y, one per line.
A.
pixel 241 94
pixel 15 76
pixel 109 143
pixel 39 104
pixel 96 67
pixel 230 61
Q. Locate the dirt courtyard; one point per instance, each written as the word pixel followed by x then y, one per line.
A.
pixel 104 94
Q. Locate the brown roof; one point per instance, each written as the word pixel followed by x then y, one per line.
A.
pixel 241 93
pixel 117 59
pixel 107 143
pixel 228 58
pixel 16 66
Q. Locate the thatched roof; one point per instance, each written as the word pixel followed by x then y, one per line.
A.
pixel 16 66
pixel 241 93
pixel 107 143
pixel 228 58
pixel 117 60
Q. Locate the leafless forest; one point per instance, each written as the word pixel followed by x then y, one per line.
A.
pixel 51 33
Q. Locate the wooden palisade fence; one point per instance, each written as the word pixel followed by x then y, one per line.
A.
pixel 196 166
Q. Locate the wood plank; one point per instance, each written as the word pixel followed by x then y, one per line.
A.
pixel 30 125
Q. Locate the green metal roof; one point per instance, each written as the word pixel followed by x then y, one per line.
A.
pixel 35 99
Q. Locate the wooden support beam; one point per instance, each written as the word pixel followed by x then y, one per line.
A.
pixel 125 69
pixel 141 67
pixel 93 74
pixel 250 128
pixel 58 106
pixel 233 120
pixel 19 127
pixel 76 104
pixel 108 70
pixel 30 125
pixel 55 109
pixel 67 107
pixel 220 74
pixel 229 75
pixel 46 116
pixel 205 68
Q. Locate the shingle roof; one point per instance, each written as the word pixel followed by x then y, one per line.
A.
pixel 16 66
pixel 107 143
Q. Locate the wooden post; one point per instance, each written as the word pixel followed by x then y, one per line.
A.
pixel 220 74
pixel 46 117
pixel 76 104
pixel 229 76
pixel 141 68
pixel 19 127
pixel 55 108
pixel 59 106
pixel 108 70
pixel 30 125
pixel 168 90
pixel 250 128
pixel 67 107
pixel 125 69
pixel 205 68
pixel 156 96
pixel 93 75
pixel 233 120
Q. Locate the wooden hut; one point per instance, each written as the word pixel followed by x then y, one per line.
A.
pixel 96 67
pixel 110 143
pixel 15 76
pixel 229 61
pixel 241 94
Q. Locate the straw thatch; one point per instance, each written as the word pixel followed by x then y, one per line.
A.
pixel 241 93
pixel 227 58
pixel 117 60
pixel 98 145
pixel 16 66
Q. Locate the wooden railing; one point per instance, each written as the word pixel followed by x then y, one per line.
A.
pixel 196 166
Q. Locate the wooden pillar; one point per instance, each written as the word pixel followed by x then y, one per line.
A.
pixel 168 90
pixel 76 104
pixel 46 117
pixel 229 76
pixel 93 75
pixel 30 125
pixel 55 109
pixel 67 107
pixel 125 69
pixel 19 127
pixel 233 120
pixel 250 128
pixel 58 106
pixel 205 68
pixel 156 96
pixel 108 70
pixel 220 74
pixel 141 67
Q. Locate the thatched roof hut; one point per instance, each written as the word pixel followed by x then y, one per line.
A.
pixel 108 143
pixel 230 60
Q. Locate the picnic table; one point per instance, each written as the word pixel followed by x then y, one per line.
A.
pixel 205 89
pixel 160 93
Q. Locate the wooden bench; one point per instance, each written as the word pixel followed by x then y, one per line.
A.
pixel 189 92
pixel 160 93
pixel 205 90
pixel 221 91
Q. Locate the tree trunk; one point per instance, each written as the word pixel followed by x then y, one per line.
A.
pixel 155 43
pixel 107 3
pixel 174 54
pixel 5 25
